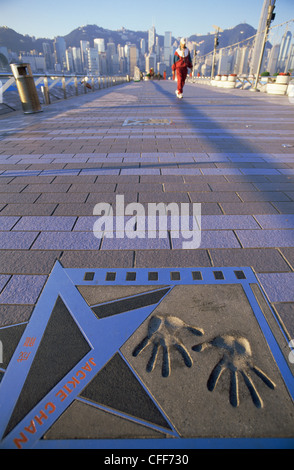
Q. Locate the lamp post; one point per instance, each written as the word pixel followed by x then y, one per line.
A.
pixel 216 43
pixel 270 17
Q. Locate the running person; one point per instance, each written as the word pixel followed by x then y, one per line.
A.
pixel 182 61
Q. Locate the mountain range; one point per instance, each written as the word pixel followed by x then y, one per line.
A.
pixel 24 43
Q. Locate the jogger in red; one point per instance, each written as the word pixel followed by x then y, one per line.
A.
pixel 182 61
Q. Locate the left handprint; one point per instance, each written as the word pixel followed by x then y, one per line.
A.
pixel 164 332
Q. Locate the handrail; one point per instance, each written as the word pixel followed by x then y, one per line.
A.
pixel 81 83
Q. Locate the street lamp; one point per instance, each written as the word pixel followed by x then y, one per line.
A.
pixel 270 17
pixel 216 43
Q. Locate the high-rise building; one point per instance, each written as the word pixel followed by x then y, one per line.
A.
pixel 84 45
pixel 77 60
pixel 48 55
pixel 132 59
pixel 69 60
pixel 100 44
pixel 151 39
pixel 93 60
pixel 59 52
pixel 167 48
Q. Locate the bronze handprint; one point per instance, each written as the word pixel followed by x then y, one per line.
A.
pixel 164 332
pixel 237 359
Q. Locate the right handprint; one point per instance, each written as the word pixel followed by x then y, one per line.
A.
pixel 237 359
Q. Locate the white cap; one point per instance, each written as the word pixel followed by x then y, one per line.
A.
pixel 183 41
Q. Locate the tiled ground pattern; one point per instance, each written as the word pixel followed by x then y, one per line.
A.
pixel 230 150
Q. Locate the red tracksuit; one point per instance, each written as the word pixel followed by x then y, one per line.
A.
pixel 182 61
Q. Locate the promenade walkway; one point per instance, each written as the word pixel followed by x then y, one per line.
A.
pixel 230 150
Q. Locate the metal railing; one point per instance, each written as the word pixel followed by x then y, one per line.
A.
pixel 54 87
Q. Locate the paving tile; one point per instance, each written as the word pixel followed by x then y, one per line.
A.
pixel 240 208
pixel 265 238
pixel 186 187
pixel 268 196
pixel 3 280
pixel 14 314
pixel 279 287
pixel 172 258
pixel 7 222
pixel 62 198
pixel 47 188
pixel 135 243
pixel 73 209
pixel 228 222
pixel 211 239
pixel 214 196
pixel 45 223
pixel 274 186
pixel 284 207
pixel 17 240
pixel 28 261
pixel 233 187
pixel 22 289
pixel 28 209
pixel 285 312
pixel 284 221
pixel 163 197
pixel 97 259
pixel 261 259
pixel 288 253
pixel 66 241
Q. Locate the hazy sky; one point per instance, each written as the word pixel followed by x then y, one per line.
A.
pixel 43 18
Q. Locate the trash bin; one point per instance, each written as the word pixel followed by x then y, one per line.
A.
pixel 26 88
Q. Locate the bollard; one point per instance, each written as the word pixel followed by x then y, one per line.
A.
pixel 26 88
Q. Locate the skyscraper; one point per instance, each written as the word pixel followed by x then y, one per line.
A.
pixel 167 51
pixel 151 39
pixel 84 53
pixel 59 52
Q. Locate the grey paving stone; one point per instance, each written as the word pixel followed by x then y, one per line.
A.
pixel 14 314
pixel 284 207
pixel 66 241
pixel 261 259
pixel 6 223
pixel 17 240
pixel 240 208
pixel 265 238
pixel 225 222
pixel 214 196
pixel 97 259
pixel 278 286
pixel 28 261
pixel 284 221
pixel 22 289
pixel 285 312
pixel 47 188
pixel 269 196
pixel 28 209
pixel 172 258
pixel 45 223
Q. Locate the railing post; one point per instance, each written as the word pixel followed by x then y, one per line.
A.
pixel 93 83
pixel 63 86
pixel 76 85
pixel 46 90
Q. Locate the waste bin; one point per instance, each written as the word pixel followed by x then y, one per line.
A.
pixel 26 88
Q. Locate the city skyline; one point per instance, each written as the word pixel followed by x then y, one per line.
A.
pixel 60 18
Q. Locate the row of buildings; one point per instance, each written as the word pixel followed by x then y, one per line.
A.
pixel 98 57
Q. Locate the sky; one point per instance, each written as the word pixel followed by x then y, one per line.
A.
pixel 47 19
